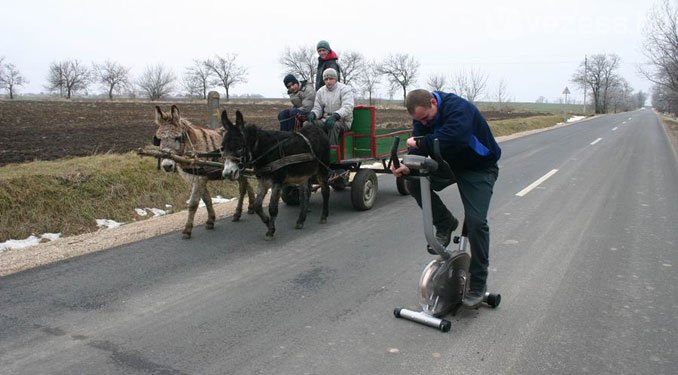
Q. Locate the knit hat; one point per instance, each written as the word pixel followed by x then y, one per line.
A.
pixel 290 78
pixel 330 73
pixel 324 45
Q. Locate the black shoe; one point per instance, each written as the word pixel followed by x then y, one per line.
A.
pixel 444 236
pixel 474 297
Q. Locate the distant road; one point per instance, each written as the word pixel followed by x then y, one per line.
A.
pixel 584 226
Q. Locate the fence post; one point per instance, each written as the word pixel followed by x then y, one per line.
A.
pixel 213 110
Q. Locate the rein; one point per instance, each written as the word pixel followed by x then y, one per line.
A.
pixel 285 160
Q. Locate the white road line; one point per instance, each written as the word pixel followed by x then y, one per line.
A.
pixel 536 183
pixel 596 141
pixel 615 128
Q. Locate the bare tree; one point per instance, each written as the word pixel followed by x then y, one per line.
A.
pixel 198 79
pixel 501 95
pixel 640 98
pixel 400 71
pixel 471 84
pixel 368 80
pixel 226 71
pixel 599 74
pixel 112 76
pixel 660 47
pixel 156 81
pixel 10 78
pixel 69 76
pixel 436 82
pixel 352 66
pixel 301 62
pixel 619 96
pixel 664 100
pixel 55 78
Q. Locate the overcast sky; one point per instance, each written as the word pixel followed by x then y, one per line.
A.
pixel 535 46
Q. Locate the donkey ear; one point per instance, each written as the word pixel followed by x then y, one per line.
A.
pixel 176 116
pixel 239 121
pixel 159 116
pixel 225 122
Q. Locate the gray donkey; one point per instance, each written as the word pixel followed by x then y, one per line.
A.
pixel 180 137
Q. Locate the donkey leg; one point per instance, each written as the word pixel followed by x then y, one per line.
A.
pixel 241 195
pixel 211 215
pixel 325 189
pixel 193 203
pixel 273 209
pixel 262 189
pixel 304 196
pixel 250 195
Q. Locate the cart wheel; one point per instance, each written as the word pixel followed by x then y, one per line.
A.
pixel 493 300
pixel 290 195
pixel 402 186
pixel 364 189
pixel 445 325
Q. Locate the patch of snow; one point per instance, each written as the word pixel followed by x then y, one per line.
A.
pixel 28 242
pixel 218 199
pixel 140 212
pixel 575 118
pixel 51 236
pixel 156 211
pixel 106 223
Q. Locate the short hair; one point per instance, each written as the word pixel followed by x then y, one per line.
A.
pixel 417 98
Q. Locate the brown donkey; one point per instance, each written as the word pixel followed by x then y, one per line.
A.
pixel 181 137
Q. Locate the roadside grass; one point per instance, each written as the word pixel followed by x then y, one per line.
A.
pixel 671 126
pixel 516 125
pixel 68 195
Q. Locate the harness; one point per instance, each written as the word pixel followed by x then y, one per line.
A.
pixel 284 161
pixel 193 169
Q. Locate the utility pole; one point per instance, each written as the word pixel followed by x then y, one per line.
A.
pixel 585 80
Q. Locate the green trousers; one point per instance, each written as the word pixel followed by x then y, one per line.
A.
pixel 475 189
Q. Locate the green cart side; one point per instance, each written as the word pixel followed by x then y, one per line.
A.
pixel 365 144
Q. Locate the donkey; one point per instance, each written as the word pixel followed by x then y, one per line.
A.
pixel 277 158
pixel 179 136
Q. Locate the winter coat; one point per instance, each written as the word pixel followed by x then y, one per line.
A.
pixel 339 99
pixel 330 61
pixel 304 98
pixel 466 141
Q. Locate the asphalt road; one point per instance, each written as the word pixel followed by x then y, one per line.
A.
pixel 585 262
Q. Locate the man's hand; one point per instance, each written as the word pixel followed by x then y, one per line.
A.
pixel 329 122
pixel 411 142
pixel 301 118
pixel 400 171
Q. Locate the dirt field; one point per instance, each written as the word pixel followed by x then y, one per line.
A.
pixel 47 130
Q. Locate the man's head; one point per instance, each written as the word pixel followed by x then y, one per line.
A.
pixel 421 105
pixel 291 83
pixel 323 48
pixel 330 77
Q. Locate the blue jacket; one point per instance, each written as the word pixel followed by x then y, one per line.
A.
pixel 465 138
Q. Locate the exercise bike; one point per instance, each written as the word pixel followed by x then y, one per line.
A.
pixel 444 283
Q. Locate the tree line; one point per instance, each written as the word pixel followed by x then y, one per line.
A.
pixel 660 47
pixel 395 74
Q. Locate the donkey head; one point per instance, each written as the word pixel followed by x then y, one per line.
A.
pixel 169 135
pixel 234 146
